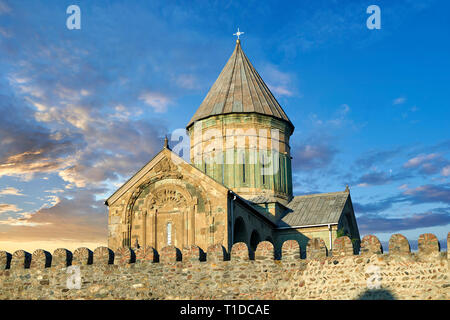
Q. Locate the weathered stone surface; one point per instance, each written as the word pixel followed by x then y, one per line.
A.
pixel 170 254
pixel 342 277
pixel 82 256
pixel 124 256
pixel 146 254
pixel 290 250
pixel 371 245
pixel 41 259
pixel 399 245
pixel 5 260
pixel 216 252
pixel 428 244
pixel 264 251
pixel 103 255
pixel 192 253
pixel 240 252
pixel 20 260
pixel 316 249
pixel 342 247
pixel 61 258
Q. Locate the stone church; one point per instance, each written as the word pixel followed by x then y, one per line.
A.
pixel 238 184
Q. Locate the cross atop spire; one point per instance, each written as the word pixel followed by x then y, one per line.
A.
pixel 238 33
pixel 166 143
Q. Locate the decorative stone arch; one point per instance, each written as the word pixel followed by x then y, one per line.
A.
pixel 140 188
pixel 161 198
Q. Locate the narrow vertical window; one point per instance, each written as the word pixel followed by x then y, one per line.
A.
pixel 243 167
pixel 223 172
pixel 169 234
pixel 263 170
pixel 279 172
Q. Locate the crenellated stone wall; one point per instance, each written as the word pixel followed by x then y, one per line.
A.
pixel 191 273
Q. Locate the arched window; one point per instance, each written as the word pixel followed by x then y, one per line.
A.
pixel 169 233
pixel 263 160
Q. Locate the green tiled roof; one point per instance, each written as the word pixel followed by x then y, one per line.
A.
pixel 239 89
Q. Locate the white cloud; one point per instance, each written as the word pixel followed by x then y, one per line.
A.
pixel 187 81
pixel 6 207
pixel 446 171
pixel 363 185
pixel 11 191
pixel 158 101
pixel 281 91
pixel 400 100
pixel 54 191
pixel 417 161
pixel 279 82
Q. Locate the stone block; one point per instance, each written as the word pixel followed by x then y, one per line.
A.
pixel 170 254
pixel 82 256
pixel 428 244
pixel 371 245
pixel 20 260
pixel 240 252
pixel 61 258
pixel 399 245
pixel 147 253
pixel 103 255
pixel 290 250
pixel 342 246
pixel 216 252
pixel 316 249
pixel 41 259
pixel 192 253
pixel 5 260
pixel 124 255
pixel 264 251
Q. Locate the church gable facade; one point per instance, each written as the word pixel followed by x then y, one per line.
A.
pixel 238 184
pixel 168 202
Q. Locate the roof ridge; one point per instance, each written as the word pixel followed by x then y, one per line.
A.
pixel 320 194
pixel 249 68
pixel 265 91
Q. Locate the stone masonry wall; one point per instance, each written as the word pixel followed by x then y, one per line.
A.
pixel 191 274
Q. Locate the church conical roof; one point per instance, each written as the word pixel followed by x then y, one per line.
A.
pixel 239 89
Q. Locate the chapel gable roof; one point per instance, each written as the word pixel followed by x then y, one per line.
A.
pixel 165 160
pixel 315 209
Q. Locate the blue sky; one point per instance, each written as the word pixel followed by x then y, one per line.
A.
pixel 82 110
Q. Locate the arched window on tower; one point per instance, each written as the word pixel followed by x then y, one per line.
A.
pixel 280 176
pixel 263 160
pixel 169 233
